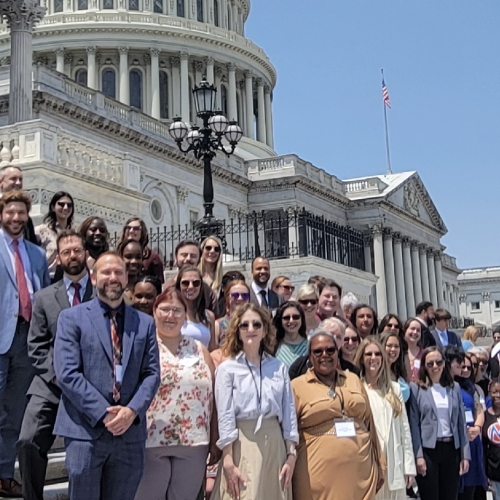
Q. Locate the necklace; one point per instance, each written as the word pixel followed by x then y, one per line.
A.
pixel 331 392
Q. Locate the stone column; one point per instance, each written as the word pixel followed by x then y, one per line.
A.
pixel 184 60
pixel 269 116
pixel 417 277
pixel 198 69
pixel 261 112
pixel 68 63
pixel 432 278
pixel 218 96
pixel 367 240
pixel 408 272
pixel 378 254
pixel 232 107
pixel 91 67
pixel 155 83
pixel 176 86
pixel 249 105
pixel 400 280
pixel 439 279
pixel 210 70
pixel 389 273
pixel 21 18
pixel 424 274
pixel 60 60
pixel 124 78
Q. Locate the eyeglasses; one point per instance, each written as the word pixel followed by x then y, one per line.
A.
pixel 210 248
pixel 288 288
pixel 186 283
pixel 257 325
pixel 288 317
pixel 354 340
pixel 132 228
pixel 371 354
pixel 306 302
pixel 176 311
pixel 329 351
pixel 439 362
pixel 63 204
pixel 238 295
pixel 77 251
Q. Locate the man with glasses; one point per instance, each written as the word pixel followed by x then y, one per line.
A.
pixel 36 437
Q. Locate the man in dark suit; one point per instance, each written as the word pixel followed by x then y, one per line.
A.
pixel 441 334
pixel 260 293
pixel 425 315
pixel 23 271
pixel 36 437
pixel 106 364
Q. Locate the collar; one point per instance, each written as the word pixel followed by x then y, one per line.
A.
pixel 106 309
pixel 418 318
pixel 83 282
pixel 241 356
pixel 310 376
pixel 441 332
pixel 9 239
pixel 257 289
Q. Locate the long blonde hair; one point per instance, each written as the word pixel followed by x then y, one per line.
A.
pixel 217 282
pixel 384 375
pixel 470 333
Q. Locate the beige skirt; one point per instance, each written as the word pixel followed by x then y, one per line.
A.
pixel 259 457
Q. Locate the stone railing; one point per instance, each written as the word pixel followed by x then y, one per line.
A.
pixel 449 261
pixel 364 187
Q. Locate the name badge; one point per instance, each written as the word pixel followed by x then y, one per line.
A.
pixel 469 416
pixel 119 373
pixel 416 364
pixel 344 427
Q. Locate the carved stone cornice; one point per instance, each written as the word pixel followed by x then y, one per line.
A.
pixel 231 67
pixel 397 237
pixel 406 241
pixel 248 73
pixel 377 229
pixel 182 193
pixel 155 52
pixel 183 56
pixel 209 60
pixel 91 50
pixel 22 15
pixel 59 51
pixel 123 50
pixel 388 233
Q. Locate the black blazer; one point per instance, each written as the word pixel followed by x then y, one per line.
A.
pixel 48 303
pixel 29 232
pixel 428 339
pixel 273 299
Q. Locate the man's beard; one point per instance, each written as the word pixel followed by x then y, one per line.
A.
pixel 111 294
pixel 74 268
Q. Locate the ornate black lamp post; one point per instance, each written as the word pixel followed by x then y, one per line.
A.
pixel 204 142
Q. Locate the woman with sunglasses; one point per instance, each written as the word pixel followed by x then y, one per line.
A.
pixel 491 438
pixel 307 297
pixel 283 286
pixel 412 335
pixel 181 422
pixel 389 413
pixel 351 344
pixel 291 335
pixel 483 359
pixel 364 318
pixel 131 253
pixel 136 229
pixel 338 456
pixel 58 218
pixel 95 235
pixel 256 413
pixel 236 293
pixel 211 263
pixel 441 442
pixel 145 292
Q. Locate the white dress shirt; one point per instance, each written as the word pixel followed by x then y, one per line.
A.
pixel 257 290
pixel 71 291
pixel 442 403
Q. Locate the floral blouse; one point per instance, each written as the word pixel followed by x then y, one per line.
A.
pixel 180 412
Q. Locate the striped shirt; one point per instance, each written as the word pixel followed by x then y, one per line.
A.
pixel 288 353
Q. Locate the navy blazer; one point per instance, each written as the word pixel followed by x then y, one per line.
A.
pixel 83 366
pixel 424 411
pixel 453 339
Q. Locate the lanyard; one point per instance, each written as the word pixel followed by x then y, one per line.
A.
pixel 259 393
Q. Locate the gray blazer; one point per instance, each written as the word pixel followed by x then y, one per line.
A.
pixel 424 413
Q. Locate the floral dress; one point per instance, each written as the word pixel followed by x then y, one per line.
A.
pixel 180 412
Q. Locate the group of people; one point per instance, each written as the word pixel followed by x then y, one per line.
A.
pixel 207 385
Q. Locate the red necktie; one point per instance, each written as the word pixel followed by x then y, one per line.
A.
pixel 117 354
pixel 22 285
pixel 76 297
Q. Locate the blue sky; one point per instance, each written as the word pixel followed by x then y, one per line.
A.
pixel 441 60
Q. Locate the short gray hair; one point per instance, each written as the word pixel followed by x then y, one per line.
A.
pixel 478 351
pixel 332 321
pixel 6 167
pixel 349 300
pixel 317 333
pixel 305 290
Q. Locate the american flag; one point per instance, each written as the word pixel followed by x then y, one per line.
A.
pixel 385 94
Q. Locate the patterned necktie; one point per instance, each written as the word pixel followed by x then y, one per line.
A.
pixel 22 285
pixel 76 296
pixel 265 303
pixel 117 354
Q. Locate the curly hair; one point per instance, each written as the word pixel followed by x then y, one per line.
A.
pixel 233 344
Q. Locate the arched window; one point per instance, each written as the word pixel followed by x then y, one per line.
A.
pixel 158 6
pixel 180 8
pixel 223 100
pixel 199 8
pixel 83 4
pixel 109 82
pixel 135 81
pixel 107 4
pixel 133 4
pixel 81 76
pixel 163 95
pixel 58 5
pixel 216 13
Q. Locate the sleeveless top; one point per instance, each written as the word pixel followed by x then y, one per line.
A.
pixel 180 412
pixel 288 353
pixel 197 331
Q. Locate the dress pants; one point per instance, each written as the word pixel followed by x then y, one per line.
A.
pixel 443 473
pixel 16 374
pixel 35 440
pixel 107 468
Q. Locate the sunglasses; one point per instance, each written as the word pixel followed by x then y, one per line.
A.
pixel 329 351
pixel 371 354
pixel 238 295
pixel 439 362
pixel 133 228
pixel 466 368
pixel 195 283
pixel 210 248
pixel 306 302
pixel 354 340
pixel 475 365
pixel 288 288
pixel 288 317
pixel 257 325
pixel 63 204
pixel 392 325
pixel 483 362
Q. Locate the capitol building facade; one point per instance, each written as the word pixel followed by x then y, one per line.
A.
pixel 108 78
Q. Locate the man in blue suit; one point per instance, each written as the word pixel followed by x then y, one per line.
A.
pixel 441 334
pixel 23 271
pixel 106 364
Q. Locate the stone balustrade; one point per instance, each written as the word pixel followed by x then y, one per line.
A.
pixel 364 187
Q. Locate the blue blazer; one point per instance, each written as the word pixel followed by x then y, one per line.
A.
pixel 83 366
pixel 453 339
pixel 423 411
pixel 8 287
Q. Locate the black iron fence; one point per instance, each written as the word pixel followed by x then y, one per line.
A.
pixel 273 234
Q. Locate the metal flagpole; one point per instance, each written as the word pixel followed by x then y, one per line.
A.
pixel 386 103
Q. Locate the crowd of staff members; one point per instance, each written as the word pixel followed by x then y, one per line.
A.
pixel 211 385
